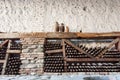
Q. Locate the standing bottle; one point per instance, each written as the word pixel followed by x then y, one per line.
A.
pixel 67 29
pixel 56 27
pixel 62 28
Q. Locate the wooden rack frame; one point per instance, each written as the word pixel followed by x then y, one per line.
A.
pixel 60 35
pixel 7 54
pixel 115 36
pixel 91 58
pixel 64 36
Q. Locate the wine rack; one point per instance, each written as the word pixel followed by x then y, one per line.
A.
pixel 10 56
pixel 62 55
pixel 54 63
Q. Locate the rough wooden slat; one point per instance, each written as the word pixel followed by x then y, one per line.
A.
pixel 2 61
pixel 3 43
pixel 54 51
pixel 71 35
pixel 9 35
pixel 60 35
pixel 92 60
pixel 77 48
pixel 109 46
pixel 14 51
pixel 64 55
pixel 6 58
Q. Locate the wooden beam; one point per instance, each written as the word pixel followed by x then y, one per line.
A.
pixel 2 61
pixel 3 43
pixel 92 60
pixel 14 51
pixel 77 48
pixel 6 58
pixel 109 46
pixel 54 51
pixel 64 55
pixel 9 35
pixel 71 35
pixel 60 35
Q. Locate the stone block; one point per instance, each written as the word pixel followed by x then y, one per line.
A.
pixel 22 58
pixel 23 66
pixel 25 55
pixel 42 46
pixel 25 61
pixel 40 61
pixel 33 73
pixel 32 61
pixel 38 50
pixel 31 50
pixel 31 66
pixel 39 72
pixel 30 58
pixel 25 50
pixel 24 46
pixel 33 46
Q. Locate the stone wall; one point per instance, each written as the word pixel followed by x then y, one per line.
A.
pixel 32 56
pixel 40 15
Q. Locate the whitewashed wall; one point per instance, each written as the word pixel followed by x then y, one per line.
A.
pixel 40 15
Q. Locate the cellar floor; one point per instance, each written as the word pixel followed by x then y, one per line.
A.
pixel 61 77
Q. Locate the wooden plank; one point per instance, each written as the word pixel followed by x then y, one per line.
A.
pixel 92 60
pixel 71 35
pixel 14 51
pixel 77 48
pixel 60 35
pixel 109 46
pixel 54 51
pixel 9 35
pixel 64 55
pixel 2 61
pixel 3 43
pixel 6 58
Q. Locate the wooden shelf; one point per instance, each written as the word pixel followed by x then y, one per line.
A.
pixel 54 51
pixel 14 51
pixel 60 35
pixel 92 60
pixel 2 61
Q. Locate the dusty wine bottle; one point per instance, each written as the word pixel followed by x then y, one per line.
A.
pixel 56 27
pixel 62 28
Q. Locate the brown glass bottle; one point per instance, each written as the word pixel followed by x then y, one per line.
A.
pixel 56 27
pixel 62 28
pixel 67 29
